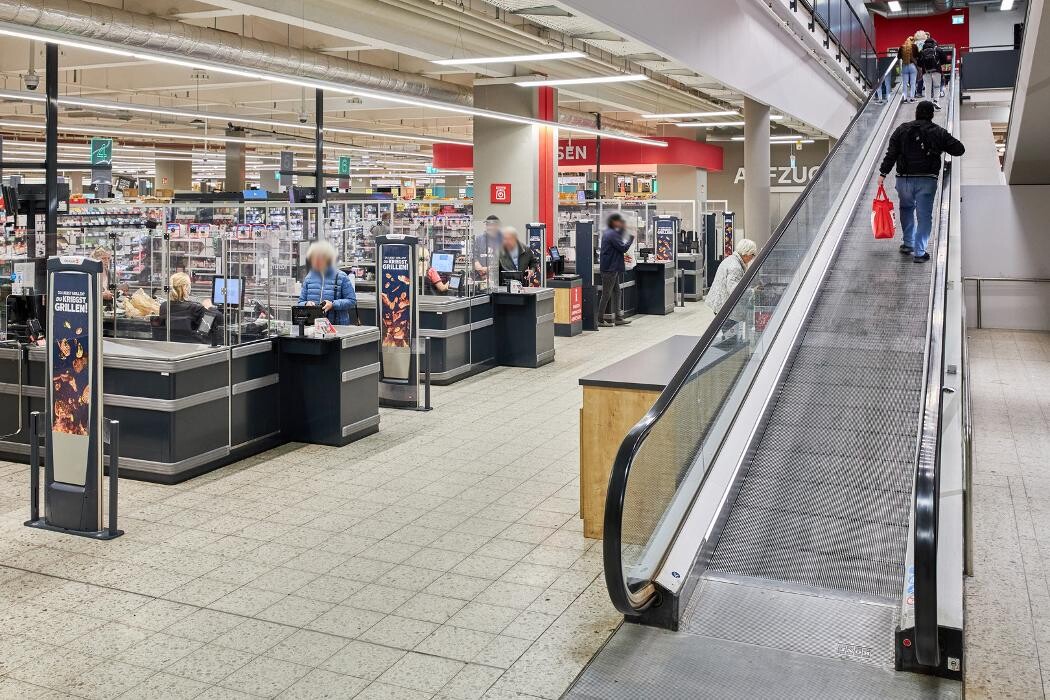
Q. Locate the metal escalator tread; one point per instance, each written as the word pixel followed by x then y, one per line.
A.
pixel 825 499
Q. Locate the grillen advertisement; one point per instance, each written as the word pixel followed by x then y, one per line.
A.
pixel 74 395
pixel 728 234
pixel 666 239
pixel 397 302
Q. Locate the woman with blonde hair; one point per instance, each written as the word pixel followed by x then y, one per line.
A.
pixel 908 54
pixel 327 286
pixel 185 313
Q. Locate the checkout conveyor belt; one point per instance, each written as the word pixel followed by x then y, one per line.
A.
pixel 803 583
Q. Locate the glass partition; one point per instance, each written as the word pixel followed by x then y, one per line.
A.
pixel 666 471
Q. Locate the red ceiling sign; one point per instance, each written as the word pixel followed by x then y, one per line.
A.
pixel 500 193
pixel 576 152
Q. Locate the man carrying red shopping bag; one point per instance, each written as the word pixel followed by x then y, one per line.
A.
pixel 916 148
pixel 882 215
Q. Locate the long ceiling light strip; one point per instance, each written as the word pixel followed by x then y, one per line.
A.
pixel 555 56
pixel 593 80
pixel 300 82
pixel 696 125
pixel 689 115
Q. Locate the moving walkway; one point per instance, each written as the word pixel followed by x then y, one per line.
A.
pixel 789 518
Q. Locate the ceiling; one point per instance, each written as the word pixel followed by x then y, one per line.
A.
pixel 403 35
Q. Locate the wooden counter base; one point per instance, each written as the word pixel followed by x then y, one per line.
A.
pixel 608 414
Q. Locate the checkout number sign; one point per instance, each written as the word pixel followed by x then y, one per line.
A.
pixel 396 307
pixel 576 305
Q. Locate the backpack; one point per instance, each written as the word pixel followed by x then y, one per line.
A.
pixel 914 147
pixel 929 57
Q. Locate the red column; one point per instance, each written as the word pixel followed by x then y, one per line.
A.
pixel 548 165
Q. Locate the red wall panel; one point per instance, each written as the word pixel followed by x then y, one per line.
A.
pixel 890 32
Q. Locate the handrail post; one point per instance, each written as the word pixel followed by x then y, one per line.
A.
pixel 34 466
pixel 114 468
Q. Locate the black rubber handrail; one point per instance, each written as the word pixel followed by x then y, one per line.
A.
pixel 634 602
pixel 928 453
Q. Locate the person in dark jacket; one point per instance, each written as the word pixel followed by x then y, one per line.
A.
pixel 614 247
pixel 185 314
pixel 515 257
pixel 915 149
pixel 929 58
pixel 327 286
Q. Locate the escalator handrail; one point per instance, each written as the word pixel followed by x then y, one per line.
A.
pixel 626 601
pixel 928 450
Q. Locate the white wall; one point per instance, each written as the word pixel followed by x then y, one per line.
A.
pixel 739 44
pixel 1004 234
pixel 991 27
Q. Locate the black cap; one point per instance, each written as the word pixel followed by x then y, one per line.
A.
pixel 924 110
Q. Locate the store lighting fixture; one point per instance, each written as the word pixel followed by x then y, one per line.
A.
pixel 1007 5
pixel 687 115
pixel 300 82
pixel 599 79
pixel 895 5
pixel 782 139
pixel 694 125
pixel 557 56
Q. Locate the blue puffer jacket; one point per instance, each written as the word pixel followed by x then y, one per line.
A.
pixel 334 287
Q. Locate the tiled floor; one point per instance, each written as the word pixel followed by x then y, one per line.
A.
pixel 442 557
pixel 1008 599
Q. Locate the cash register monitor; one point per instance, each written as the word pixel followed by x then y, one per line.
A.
pixel 306 315
pixel 455 283
pixel 508 275
pixel 443 262
pixel 555 254
pixel 227 291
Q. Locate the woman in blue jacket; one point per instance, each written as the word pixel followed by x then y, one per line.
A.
pixel 327 286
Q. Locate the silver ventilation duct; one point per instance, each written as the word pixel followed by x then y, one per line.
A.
pixel 82 20
pixel 575 117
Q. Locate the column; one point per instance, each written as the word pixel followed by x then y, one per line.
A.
pixel 235 162
pixel 756 223
pixel 174 174
pixel 522 156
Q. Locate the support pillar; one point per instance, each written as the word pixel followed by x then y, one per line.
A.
pixel 235 162
pixel 520 155
pixel 756 222
pixel 173 175
pixel 319 143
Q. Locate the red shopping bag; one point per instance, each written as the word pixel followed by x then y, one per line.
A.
pixel 882 224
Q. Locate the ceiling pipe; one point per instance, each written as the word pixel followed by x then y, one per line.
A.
pixel 82 20
pixel 575 117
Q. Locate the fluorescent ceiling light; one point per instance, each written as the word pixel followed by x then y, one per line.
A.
pixel 554 82
pixel 684 115
pixel 1007 5
pixel 300 82
pixel 782 139
pixel 558 56
pixel 694 125
pixel 895 5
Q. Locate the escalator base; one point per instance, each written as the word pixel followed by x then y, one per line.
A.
pixel 644 662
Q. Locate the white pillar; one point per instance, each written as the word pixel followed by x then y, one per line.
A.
pixel 756 223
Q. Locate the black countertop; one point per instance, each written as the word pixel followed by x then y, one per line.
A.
pixel 651 369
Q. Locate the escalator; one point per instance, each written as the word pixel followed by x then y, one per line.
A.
pixel 774 525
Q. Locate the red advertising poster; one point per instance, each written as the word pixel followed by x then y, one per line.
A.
pixel 575 304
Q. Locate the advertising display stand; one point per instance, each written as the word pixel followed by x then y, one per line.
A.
pixel 397 316
pixel 73 431
pixel 655 278
pixel 712 246
pixel 536 234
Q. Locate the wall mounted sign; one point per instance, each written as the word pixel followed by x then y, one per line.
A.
pixel 500 193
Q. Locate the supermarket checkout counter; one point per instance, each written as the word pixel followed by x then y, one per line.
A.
pixel 691 265
pixel 524 327
pixel 186 409
pixel 461 332
pixel 654 286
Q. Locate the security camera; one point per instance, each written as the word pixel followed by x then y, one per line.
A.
pixel 303 117
pixel 32 80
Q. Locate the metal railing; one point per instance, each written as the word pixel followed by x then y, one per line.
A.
pixel 980 280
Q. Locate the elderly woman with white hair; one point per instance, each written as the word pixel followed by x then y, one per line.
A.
pixel 730 272
pixel 327 286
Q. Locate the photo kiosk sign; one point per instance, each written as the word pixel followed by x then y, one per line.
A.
pixel 536 234
pixel 73 430
pixel 397 318
pixel 667 238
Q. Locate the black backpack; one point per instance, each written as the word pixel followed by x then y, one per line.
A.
pixel 929 57
pixel 914 146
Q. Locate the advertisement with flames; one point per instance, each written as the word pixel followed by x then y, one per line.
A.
pixel 396 310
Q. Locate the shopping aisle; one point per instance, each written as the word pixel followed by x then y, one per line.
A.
pixel 1008 598
pixel 442 557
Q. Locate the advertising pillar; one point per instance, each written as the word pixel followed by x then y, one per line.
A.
pixel 536 233
pixel 398 319
pixel 667 238
pixel 73 400
pixel 728 233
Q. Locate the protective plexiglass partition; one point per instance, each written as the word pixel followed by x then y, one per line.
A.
pixel 639 214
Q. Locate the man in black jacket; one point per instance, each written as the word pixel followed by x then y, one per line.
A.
pixel 614 246
pixel 929 59
pixel 916 148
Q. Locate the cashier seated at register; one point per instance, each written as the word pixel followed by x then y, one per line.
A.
pixel 192 321
pixel 515 257
pixel 327 286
